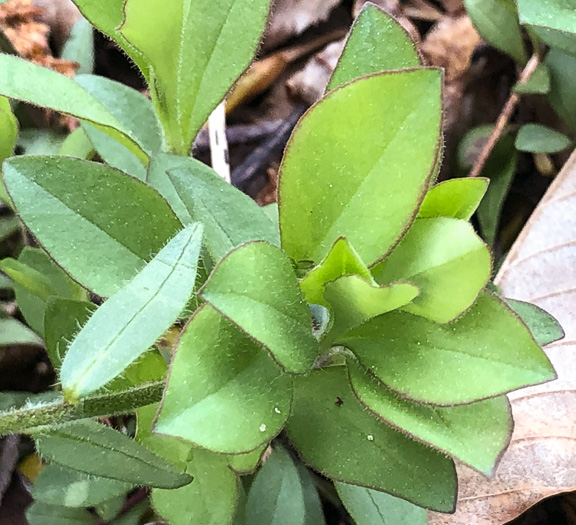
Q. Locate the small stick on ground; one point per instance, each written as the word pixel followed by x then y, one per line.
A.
pixel 218 142
pixel 503 118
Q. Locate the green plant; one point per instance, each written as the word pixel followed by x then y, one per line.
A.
pixel 548 31
pixel 353 323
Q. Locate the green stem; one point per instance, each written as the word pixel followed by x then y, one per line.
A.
pixel 33 418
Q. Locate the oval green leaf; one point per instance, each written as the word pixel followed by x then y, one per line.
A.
pixel 21 79
pixel 256 288
pixel 101 225
pixel 331 187
pixel 224 392
pixel 485 353
pixel 536 138
pixel 370 507
pixel 457 198
pixel 384 458
pixel 209 500
pixel 475 434
pixel 280 489
pixel 353 301
pixel 497 22
pixel 195 51
pixel 364 52
pixel 446 260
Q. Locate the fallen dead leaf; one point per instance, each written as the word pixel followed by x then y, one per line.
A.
pixel 450 45
pixel 541 458
pixel 292 17
pixel 309 83
pixel 19 21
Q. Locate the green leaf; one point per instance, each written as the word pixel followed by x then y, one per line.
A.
pixel 107 16
pixel 500 169
pixel 196 192
pixel 77 144
pixel 22 80
pixel 384 458
pixel 128 323
pixel 224 392
pixel 26 276
pixel 13 332
pixel 536 138
pixel 209 500
pixel 134 516
pixel 9 134
pixel 195 51
pixel 79 47
pixel 497 22
pixel 247 463
pixel 457 198
pixel 43 514
pixel 446 260
pixel 370 194
pixel 8 129
pixel 486 352
pixel 8 226
pixel 79 212
pixel 39 279
pixel 562 69
pixel 370 507
pixel 278 495
pixel 5 283
pixel 552 14
pixel 364 53
pixel 113 153
pixel 553 22
pixel 544 328
pixel 69 488
pixel 63 319
pixel 314 509
pixel 341 260
pixel 354 300
pixel 108 510
pixel 131 108
pixel 476 433
pixel 537 84
pixel 40 141
pixel 256 288
pixel 92 448
pixel 556 39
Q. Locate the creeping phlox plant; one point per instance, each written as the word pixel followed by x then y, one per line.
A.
pixel 352 326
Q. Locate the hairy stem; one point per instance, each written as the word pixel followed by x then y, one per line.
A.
pixel 32 418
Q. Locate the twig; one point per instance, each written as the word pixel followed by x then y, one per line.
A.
pixel 218 142
pixel 244 173
pixel 503 118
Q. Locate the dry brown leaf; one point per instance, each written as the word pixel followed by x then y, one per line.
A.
pixel 450 45
pixel 309 83
pixel 60 16
pixel 19 21
pixel 541 459
pixel 292 17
